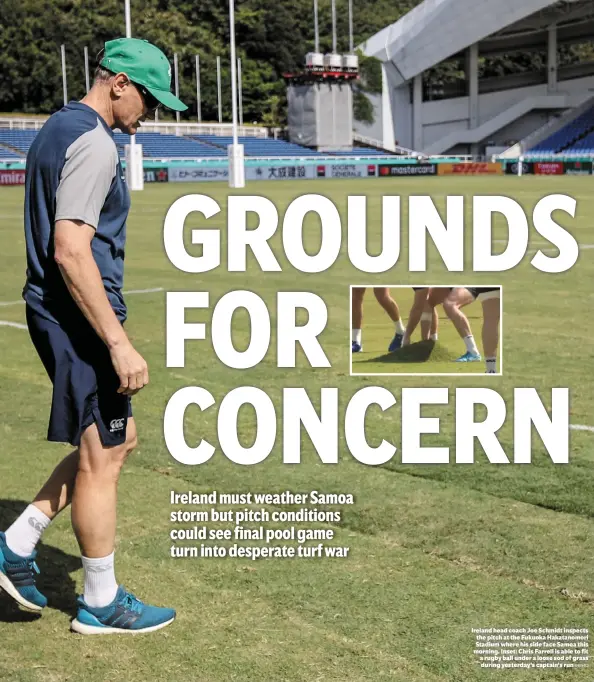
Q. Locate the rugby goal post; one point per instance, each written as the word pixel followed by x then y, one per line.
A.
pixel 236 165
pixel 134 167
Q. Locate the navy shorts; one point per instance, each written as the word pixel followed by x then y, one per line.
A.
pixel 84 380
pixel 478 291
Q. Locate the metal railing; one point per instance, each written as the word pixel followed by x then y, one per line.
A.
pixel 378 144
pixel 173 128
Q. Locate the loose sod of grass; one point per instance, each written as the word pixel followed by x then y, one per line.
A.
pixel 434 550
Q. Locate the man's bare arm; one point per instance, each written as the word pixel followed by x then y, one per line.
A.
pixel 73 254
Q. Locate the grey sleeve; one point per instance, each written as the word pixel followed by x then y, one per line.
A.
pixel 89 169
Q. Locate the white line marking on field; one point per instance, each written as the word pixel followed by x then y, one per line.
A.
pixel 143 291
pixel 581 427
pixel 16 325
pixel 131 291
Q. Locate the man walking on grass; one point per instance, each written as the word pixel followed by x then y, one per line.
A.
pixel 76 205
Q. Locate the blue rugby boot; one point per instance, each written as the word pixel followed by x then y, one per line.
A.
pixel 125 615
pixel 17 577
pixel 469 357
pixel 356 347
pixel 396 342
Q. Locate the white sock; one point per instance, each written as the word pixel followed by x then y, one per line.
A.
pixel 356 336
pixel 470 344
pixel 405 339
pixel 100 583
pixel 491 365
pixel 400 328
pixel 433 337
pixel 26 531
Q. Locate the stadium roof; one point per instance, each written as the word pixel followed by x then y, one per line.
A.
pixel 438 29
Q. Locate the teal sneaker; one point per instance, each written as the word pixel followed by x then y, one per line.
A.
pixel 125 615
pixel 469 357
pixel 17 577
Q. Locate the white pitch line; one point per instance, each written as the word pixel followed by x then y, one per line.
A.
pixel 143 291
pixel 581 427
pixel 16 325
pixel 131 291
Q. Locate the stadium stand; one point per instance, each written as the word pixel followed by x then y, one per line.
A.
pixel 279 148
pixel 160 145
pixel 7 154
pixel 157 145
pixel 259 147
pixel 576 137
pixel 17 139
pixel 474 113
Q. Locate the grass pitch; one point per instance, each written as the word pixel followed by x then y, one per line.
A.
pixel 435 550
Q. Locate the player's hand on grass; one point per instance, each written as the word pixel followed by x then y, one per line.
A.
pixel 130 367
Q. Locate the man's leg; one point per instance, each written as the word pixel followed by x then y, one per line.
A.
pixel 384 298
pixel 427 321
pixel 357 295
pixel 458 298
pixel 415 314
pixel 491 315
pixel 105 608
pixel 95 492
pixel 24 534
pixel 437 296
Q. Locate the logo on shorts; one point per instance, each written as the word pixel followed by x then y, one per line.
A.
pixel 116 425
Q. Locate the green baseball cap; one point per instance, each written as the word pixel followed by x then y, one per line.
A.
pixel 144 64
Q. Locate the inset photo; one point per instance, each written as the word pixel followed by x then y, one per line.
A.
pixel 426 330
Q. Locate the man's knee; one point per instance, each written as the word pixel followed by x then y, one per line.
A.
pixel 382 294
pixel 96 459
pixel 450 306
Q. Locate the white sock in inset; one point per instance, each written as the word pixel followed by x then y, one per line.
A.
pixel 470 344
pixel 100 584
pixel 356 336
pixel 26 531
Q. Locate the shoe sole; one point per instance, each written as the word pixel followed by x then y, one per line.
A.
pixel 12 591
pixel 83 629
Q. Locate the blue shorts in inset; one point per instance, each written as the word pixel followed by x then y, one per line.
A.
pixel 85 383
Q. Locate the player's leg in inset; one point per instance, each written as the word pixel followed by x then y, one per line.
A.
pixel 459 297
pixel 416 313
pixel 491 302
pixel 427 321
pixel 357 295
pixel 437 295
pixel 384 298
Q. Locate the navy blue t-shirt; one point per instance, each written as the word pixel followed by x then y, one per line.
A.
pixel 74 172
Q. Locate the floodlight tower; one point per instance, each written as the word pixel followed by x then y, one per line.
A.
pixel 324 88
